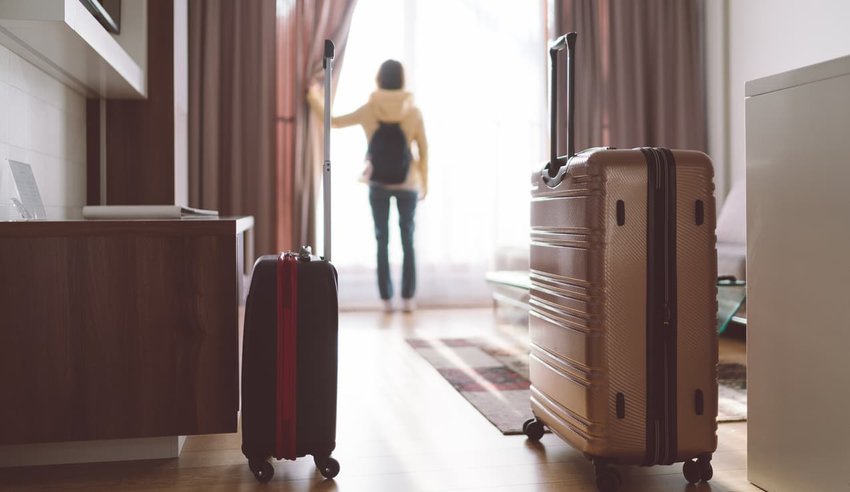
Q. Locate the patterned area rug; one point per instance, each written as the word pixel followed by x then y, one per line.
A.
pixel 732 401
pixel 493 377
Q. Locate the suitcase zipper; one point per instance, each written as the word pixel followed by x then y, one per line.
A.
pixel 653 430
pixel 287 285
pixel 660 323
pixel 670 307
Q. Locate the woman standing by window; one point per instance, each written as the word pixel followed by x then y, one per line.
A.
pixel 393 124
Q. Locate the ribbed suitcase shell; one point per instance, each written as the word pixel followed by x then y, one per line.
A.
pixel 589 301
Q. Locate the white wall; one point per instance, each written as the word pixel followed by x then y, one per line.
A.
pixel 766 37
pixel 717 92
pixel 42 123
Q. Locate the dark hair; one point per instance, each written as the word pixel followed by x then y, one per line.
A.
pixel 390 75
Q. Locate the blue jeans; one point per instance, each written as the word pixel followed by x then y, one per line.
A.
pixel 379 198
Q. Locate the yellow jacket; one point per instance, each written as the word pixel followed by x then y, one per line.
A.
pixel 389 106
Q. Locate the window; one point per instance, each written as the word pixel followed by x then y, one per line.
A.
pixel 478 71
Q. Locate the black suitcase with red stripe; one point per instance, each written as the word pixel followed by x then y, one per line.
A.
pixel 289 351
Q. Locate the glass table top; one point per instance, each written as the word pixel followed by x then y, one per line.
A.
pixel 731 295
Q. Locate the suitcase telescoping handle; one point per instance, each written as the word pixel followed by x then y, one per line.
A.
pixel 327 63
pixel 567 41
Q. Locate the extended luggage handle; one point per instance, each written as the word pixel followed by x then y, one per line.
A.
pixel 555 167
pixel 327 64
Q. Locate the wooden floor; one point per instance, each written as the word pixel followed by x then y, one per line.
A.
pixel 401 428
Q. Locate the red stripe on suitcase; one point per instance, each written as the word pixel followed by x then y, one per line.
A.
pixel 287 316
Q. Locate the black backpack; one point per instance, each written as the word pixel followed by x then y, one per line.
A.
pixel 389 154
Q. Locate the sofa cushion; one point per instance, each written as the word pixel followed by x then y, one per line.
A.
pixel 732 233
pixel 732 220
pixel 732 260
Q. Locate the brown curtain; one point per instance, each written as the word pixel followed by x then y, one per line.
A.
pixel 253 145
pixel 645 83
pixel 232 112
pixel 302 27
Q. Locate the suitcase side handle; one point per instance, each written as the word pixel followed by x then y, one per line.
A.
pixel 567 41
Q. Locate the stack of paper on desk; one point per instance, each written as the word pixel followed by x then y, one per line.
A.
pixel 144 212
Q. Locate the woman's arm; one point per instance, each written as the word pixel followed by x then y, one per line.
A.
pixel 317 103
pixel 422 147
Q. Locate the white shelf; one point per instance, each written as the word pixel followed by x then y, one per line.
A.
pixel 62 38
pixel 798 166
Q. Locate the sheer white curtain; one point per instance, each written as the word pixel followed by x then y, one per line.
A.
pixel 478 71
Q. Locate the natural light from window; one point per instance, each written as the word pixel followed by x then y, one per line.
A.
pixel 478 71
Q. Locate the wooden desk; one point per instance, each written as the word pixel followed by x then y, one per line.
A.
pixel 119 329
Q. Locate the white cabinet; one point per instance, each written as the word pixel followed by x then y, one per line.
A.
pixel 798 273
pixel 62 38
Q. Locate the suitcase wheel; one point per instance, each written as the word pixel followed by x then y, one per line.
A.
pixel 262 469
pixel 607 478
pixel 699 469
pixel 533 428
pixel 327 466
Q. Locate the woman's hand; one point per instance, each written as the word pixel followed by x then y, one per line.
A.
pixel 315 90
pixel 315 98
